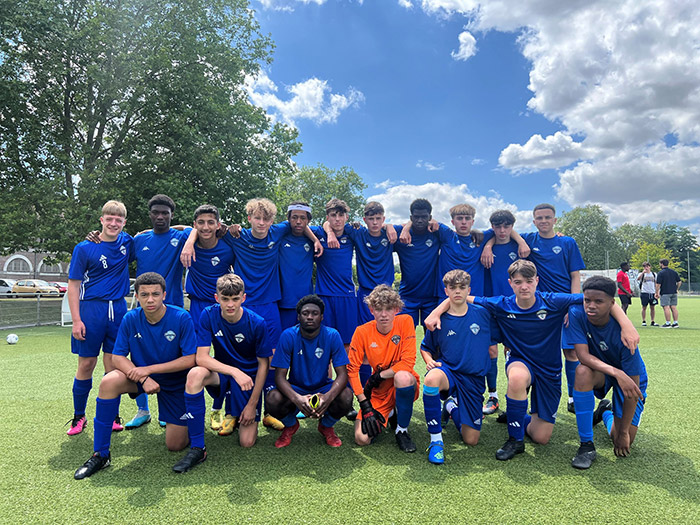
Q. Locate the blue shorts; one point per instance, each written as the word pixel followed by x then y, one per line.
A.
pixel 545 392
pixel 101 320
pixel 288 318
pixel 618 398
pixel 341 313
pixel 419 309
pixel 197 306
pixel 171 403
pixel 239 398
pixel 363 313
pixel 468 390
pixel 271 313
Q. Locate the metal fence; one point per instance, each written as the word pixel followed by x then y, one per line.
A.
pixel 29 310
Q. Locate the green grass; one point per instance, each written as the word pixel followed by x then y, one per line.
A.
pixel 311 483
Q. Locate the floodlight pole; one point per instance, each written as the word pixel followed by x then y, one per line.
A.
pixel 688 271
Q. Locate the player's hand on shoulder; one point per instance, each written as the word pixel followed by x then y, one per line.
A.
pixel 523 251
pixel 221 231
pixel 432 322
pixel 78 330
pixel 187 255
pixel 332 240
pixel 433 225
pixel 486 256
pixel 391 233
pixel 405 237
pixel 477 237
pixel 243 379
pixel 356 225
pixel 94 236
pixel 235 230
pixel 318 248
pixel 630 338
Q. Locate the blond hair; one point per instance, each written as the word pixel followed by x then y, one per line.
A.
pixel 114 208
pixel 462 209
pixel 384 297
pixel 265 207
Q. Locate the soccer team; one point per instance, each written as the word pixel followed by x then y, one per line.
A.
pixel 282 352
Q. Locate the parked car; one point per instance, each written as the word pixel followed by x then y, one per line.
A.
pixel 6 287
pixel 34 286
pixel 62 287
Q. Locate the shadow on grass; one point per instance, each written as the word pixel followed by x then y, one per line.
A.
pixel 140 461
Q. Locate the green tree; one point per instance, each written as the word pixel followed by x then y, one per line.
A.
pixel 683 246
pixel 122 99
pixel 317 185
pixel 653 253
pixel 630 236
pixel 590 227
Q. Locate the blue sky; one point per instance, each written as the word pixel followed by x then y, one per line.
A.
pixel 500 104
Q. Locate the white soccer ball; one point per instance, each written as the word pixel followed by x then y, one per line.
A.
pixel 12 339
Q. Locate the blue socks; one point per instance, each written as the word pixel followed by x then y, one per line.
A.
pixel 432 409
pixel 219 401
pixel 404 405
pixel 194 404
pixel 570 370
pixel 328 421
pixel 584 402
pixel 81 392
pixel 516 410
pixel 290 419
pixel 492 375
pixel 365 372
pixel 106 411
pixel 608 419
pixel 142 402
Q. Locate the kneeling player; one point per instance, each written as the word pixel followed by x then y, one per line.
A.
pixel 457 359
pixel 306 351
pixel 161 342
pixel 605 363
pixel 240 364
pixel 389 344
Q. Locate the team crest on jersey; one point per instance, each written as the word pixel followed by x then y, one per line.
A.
pixel 474 328
pixel 170 335
pixel 385 243
pixel 472 245
pixel 542 314
pixel 429 243
pixel 307 248
pixel 318 352
pixel 174 242
pixel 215 261
pixel 343 240
pixel 396 339
pixel 122 249
pixel 557 250
pixel 270 245
pixel 603 346
pixel 512 256
pixel 239 338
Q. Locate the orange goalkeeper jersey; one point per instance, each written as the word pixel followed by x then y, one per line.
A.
pixel 395 350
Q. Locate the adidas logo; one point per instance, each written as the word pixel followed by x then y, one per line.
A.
pixel 451 332
pixel 219 334
pixel 186 416
pixel 514 424
pixel 511 316
pixel 433 422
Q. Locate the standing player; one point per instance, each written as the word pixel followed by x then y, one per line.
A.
pixel 161 343
pixel 623 286
pixel 241 359
pixel 605 363
pixel 305 352
pixel 667 285
pixel 457 359
pixel 528 322
pixel 389 345
pixel 418 256
pixel 647 287
pixel 296 263
pixel 98 281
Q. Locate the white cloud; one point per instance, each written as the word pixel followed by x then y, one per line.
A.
pixel 311 99
pixel 619 76
pixel 443 196
pixel 467 46
pixel 549 153
pixel 430 166
pixel 477 162
pixel 388 183
pixel 286 5
pixel 405 3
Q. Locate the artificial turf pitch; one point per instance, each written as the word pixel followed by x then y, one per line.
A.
pixel 309 482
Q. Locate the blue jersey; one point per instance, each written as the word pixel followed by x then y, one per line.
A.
pixel 308 359
pixel 257 263
pixel 533 335
pixel 604 342
pixel 160 253
pixel 210 264
pixel 419 262
pixel 375 257
pixel 459 252
pixel 235 344
pixel 497 276
pixel 103 268
pixel 334 267
pixel 462 343
pixel 555 259
pixel 296 262
pixel 152 344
